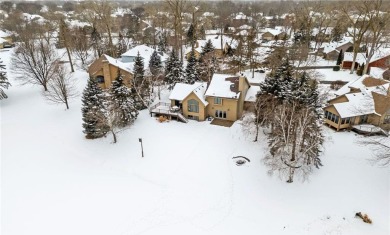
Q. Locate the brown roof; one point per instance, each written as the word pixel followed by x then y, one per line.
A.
pixel 370 82
pixel 382 103
pixel 235 83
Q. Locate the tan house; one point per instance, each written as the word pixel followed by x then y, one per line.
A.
pixel 5 40
pixel 219 48
pixel 190 99
pixel 365 101
pixel 106 69
pixel 273 34
pixel 224 98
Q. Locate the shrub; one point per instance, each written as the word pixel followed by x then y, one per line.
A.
pixel 336 84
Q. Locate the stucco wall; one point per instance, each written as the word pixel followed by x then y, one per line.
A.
pixel 202 110
pixel 228 105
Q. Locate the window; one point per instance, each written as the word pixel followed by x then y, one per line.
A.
pixel 100 79
pixel 387 119
pixel 193 106
pixel 220 114
pixel 217 100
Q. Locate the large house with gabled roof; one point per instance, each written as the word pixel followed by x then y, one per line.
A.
pixel 223 98
pixel 365 100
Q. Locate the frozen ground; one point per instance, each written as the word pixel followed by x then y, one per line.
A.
pixel 54 181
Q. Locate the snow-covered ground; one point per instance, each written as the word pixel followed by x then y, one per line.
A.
pixel 54 181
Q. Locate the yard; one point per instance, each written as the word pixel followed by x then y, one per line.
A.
pixel 54 181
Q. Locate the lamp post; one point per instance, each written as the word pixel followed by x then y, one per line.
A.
pixel 142 147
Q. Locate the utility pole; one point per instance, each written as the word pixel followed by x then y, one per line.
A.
pixel 142 147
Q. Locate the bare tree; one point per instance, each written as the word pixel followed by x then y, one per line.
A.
pixel 80 46
pixel 177 8
pixel 61 88
pixel 359 21
pixel 64 31
pixel 34 62
pixel 377 35
pixel 380 146
pixel 294 143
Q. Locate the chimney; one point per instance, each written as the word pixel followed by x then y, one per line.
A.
pixel 241 83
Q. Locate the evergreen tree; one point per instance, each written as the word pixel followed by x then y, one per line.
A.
pixel 155 64
pixel 191 38
pixel 208 47
pixel 340 58
pixel 92 108
pixel 3 81
pixel 140 86
pixel 192 69
pixel 122 103
pixel 162 44
pixel 173 70
pixel 280 82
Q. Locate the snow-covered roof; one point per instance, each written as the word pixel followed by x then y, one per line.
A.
pixel 240 16
pixel 274 32
pixel 358 104
pixel 4 34
pixel 362 83
pixel 182 90
pixel 377 72
pixel 361 57
pixel 329 47
pixel 251 93
pixel 116 62
pixel 224 85
pixel 212 32
pixel 145 52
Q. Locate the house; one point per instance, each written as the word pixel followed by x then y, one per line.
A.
pixel 240 19
pixel 273 34
pixel 224 98
pixel 366 100
pixel 144 51
pixel 190 99
pixel 5 39
pixel 105 70
pixel 380 59
pixel 331 51
pixel 216 41
pixel 226 95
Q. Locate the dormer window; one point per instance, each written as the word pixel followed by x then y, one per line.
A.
pixel 217 100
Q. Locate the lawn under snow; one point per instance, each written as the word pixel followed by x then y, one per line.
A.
pixel 54 181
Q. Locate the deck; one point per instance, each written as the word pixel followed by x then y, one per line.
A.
pixel 367 129
pixel 165 109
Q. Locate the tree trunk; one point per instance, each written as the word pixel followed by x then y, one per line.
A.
pixel 66 103
pixel 291 175
pixel 113 135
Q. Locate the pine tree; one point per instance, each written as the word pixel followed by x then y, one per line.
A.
pixel 3 81
pixel 155 64
pixel 121 101
pixel 192 70
pixel 207 66
pixel 140 86
pixel 92 108
pixel 280 82
pixel 340 58
pixel 191 35
pixel 208 47
pixel 173 70
pixel 162 44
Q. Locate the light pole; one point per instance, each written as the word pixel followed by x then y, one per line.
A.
pixel 142 147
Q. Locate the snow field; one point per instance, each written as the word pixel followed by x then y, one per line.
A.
pixel 54 181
